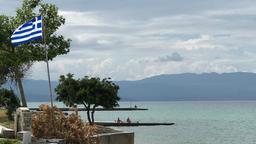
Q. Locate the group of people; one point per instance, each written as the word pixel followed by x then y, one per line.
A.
pixel 128 120
pixel 120 121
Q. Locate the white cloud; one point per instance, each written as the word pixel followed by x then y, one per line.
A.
pixel 173 57
pixel 250 10
pixel 212 66
pixel 136 68
pixel 81 18
pixel 204 41
pixel 104 42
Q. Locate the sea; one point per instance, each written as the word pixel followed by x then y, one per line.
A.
pixel 196 122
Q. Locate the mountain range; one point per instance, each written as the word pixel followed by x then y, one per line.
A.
pixel 172 87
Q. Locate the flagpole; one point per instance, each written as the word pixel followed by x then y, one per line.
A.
pixel 47 63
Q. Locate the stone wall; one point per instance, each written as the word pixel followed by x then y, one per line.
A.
pixel 23 119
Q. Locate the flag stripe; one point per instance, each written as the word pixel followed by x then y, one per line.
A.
pixel 26 38
pixel 28 29
pixel 26 35
pixel 34 38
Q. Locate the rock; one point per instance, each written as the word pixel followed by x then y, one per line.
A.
pixel 48 141
pixel 8 133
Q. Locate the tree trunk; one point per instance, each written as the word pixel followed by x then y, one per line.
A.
pixel 22 94
pixel 88 115
pixel 92 114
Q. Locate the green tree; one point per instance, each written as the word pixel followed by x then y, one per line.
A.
pixel 90 92
pixel 16 61
pixel 9 101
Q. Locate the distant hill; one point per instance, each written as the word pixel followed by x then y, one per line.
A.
pixel 208 86
pixel 35 90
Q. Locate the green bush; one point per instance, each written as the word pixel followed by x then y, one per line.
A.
pixel 9 100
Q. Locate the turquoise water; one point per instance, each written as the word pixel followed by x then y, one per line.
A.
pixel 197 122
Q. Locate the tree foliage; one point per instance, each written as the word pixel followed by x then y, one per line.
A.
pixel 91 92
pixel 16 61
pixel 9 101
pixel 2 77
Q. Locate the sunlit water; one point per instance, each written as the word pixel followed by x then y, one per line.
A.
pixel 201 122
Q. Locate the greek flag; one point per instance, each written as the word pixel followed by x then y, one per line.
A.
pixel 28 31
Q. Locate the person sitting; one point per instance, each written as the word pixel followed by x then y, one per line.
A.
pixel 118 120
pixel 128 120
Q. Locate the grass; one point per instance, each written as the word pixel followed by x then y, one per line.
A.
pixel 9 141
pixel 4 120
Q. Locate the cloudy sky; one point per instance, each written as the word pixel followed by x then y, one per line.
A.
pixel 134 39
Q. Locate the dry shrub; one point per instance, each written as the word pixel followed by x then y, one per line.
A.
pixel 52 123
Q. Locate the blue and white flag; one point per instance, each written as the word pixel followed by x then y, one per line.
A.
pixel 28 31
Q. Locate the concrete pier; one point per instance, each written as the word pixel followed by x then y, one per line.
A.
pixel 97 109
pixel 131 124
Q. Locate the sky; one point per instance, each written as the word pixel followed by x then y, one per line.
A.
pixel 135 39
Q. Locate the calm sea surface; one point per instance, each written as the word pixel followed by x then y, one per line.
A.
pixel 197 122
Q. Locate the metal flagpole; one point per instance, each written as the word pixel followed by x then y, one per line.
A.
pixel 47 63
pixel 49 78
